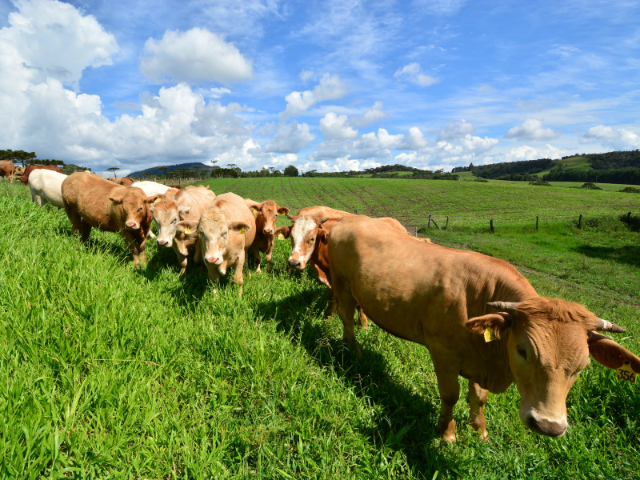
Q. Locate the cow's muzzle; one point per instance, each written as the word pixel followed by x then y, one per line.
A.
pixel 162 243
pixel 214 260
pixel 132 225
pixel 546 427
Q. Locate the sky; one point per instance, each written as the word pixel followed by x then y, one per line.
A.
pixel 325 85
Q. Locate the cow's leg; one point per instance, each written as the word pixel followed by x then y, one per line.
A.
pixel 363 318
pixel 447 375
pixel 477 398
pixel 214 276
pixel 76 221
pixel 268 257
pixel 347 310
pixel 237 273
pixel 333 303
pixel 85 231
pixel 182 261
pixel 133 246
pixel 197 257
pixel 142 245
pixel 257 258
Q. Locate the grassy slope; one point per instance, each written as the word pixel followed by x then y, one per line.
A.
pixel 571 163
pixel 113 371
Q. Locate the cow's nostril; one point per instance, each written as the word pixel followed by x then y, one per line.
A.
pixel 294 263
pixel 546 427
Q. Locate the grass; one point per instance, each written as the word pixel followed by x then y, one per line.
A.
pixel 572 163
pixel 108 371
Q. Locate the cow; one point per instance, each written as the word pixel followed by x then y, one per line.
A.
pixel 266 215
pixel 46 187
pixel 20 171
pixel 124 181
pixel 7 169
pixel 184 205
pixel 226 231
pixel 322 212
pixel 309 237
pixel 478 317
pixel 30 168
pixel 92 201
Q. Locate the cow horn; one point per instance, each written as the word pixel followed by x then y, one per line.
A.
pixel 323 220
pixel 509 307
pixel 605 326
pixel 289 217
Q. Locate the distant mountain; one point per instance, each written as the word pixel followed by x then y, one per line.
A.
pixel 157 171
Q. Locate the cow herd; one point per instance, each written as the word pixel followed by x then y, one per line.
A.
pixel 477 315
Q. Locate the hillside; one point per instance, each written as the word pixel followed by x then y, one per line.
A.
pixel 157 170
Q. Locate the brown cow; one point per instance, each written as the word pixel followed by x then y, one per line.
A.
pixel 226 232
pixel 91 201
pixel 183 205
pixel 446 299
pixel 124 181
pixel 309 237
pixel 30 168
pixel 266 215
pixel 7 169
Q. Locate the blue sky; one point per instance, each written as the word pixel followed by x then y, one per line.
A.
pixel 321 85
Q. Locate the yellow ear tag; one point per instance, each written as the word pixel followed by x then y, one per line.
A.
pixel 625 372
pixel 187 230
pixel 242 230
pixel 280 236
pixel 156 200
pixel 255 210
pixel 489 334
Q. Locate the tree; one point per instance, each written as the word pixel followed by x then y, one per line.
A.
pixel 114 170
pixel 164 170
pixel 291 171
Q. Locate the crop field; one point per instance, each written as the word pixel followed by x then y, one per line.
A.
pixel 108 371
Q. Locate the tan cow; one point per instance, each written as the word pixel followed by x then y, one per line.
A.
pixel 187 205
pixel 266 215
pixel 124 181
pixel 322 212
pixel 91 201
pixel 7 169
pixel 226 232
pixel 446 299
pixel 309 245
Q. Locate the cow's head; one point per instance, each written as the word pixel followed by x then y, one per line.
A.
pixel 304 233
pixel 167 214
pixel 214 230
pixel 548 342
pixel 135 204
pixel 269 210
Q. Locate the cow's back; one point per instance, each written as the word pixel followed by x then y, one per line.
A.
pixel 415 290
pixel 236 210
pixel 197 199
pixel 323 212
pixel 88 195
pixel 27 172
pixel 151 188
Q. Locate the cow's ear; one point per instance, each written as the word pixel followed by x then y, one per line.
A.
pixel 240 227
pixel 254 207
pixel 283 210
pixel 611 354
pixel 152 198
pixel 188 228
pixel 284 231
pixel 322 236
pixel 117 199
pixel 499 323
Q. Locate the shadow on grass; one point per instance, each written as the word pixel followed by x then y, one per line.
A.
pixel 407 422
pixel 627 254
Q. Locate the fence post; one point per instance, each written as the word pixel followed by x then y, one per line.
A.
pixel 416 231
pixel 491 226
pixel 447 224
pixel 536 223
pixel 580 221
pixel 429 224
pixel 355 211
pixel 434 222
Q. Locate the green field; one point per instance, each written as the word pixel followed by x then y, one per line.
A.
pixel 114 372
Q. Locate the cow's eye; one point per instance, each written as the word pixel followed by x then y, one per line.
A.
pixel 521 350
pixel 140 209
pixel 313 239
pixel 174 220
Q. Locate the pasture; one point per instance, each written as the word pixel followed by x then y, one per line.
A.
pixel 109 371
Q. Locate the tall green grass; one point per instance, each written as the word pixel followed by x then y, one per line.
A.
pixel 108 371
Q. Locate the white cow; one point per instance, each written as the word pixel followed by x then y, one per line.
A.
pixel 151 188
pixel 46 187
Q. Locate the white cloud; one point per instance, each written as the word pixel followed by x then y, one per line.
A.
pixel 532 129
pixel 618 138
pixel 372 115
pixel 412 74
pixel 306 75
pixel 526 152
pixel 218 92
pixel 414 140
pixel 455 130
pixel 334 127
pixel 50 39
pixel 291 138
pixel 195 56
pixel 329 88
